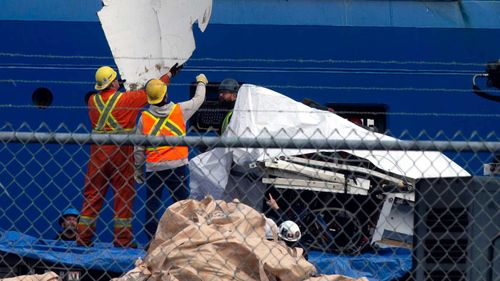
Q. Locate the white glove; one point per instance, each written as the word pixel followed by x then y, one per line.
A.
pixel 139 176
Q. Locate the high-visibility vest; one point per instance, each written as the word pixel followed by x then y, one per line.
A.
pixel 226 121
pixel 172 125
pixel 107 122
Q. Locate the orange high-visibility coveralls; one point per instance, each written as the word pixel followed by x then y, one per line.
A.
pixel 111 112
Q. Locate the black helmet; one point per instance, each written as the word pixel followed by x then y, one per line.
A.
pixel 230 85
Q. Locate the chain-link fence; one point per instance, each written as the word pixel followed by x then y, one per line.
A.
pixel 382 208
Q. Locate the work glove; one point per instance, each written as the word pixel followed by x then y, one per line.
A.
pixel 122 82
pixel 139 175
pixel 175 69
pixel 201 78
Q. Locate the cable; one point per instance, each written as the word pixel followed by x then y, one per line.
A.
pixel 300 87
pixel 250 69
pixel 402 113
pixel 209 59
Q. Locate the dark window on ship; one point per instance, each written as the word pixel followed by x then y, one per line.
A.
pixel 210 115
pixel 370 116
pixel 42 98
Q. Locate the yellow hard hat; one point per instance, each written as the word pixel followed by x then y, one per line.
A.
pixel 156 91
pixel 104 76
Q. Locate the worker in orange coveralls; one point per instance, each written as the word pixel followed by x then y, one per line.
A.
pixel 111 111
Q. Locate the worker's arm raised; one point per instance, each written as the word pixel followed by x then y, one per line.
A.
pixel 191 106
pixel 174 70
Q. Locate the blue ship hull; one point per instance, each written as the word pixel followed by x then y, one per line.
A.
pixel 409 70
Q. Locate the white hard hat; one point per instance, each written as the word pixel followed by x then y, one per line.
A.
pixel 289 231
pixel 271 229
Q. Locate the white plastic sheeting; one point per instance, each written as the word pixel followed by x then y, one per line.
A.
pixel 147 37
pixel 261 112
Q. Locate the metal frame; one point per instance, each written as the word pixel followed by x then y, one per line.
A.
pixel 358 169
pixel 301 184
pixel 394 219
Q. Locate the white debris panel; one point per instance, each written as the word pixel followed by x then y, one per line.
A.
pixel 261 112
pixel 147 37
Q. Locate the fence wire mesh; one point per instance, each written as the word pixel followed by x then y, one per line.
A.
pixel 359 206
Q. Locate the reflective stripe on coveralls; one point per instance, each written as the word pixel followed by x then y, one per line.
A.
pixel 106 118
pixel 122 222
pixel 88 221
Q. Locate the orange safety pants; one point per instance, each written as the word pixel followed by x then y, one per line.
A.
pixel 109 164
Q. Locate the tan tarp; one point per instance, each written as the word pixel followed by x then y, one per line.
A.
pixel 49 276
pixel 215 240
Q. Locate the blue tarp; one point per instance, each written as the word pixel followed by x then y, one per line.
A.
pixel 386 264
pixel 102 256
